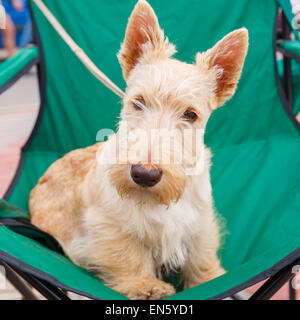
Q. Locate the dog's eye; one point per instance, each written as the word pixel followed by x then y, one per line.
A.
pixel 190 115
pixel 138 103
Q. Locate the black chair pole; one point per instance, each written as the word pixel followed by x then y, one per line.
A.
pixel 274 283
pixel 18 283
pixel 286 33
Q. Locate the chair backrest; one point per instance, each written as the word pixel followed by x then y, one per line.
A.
pixel 77 105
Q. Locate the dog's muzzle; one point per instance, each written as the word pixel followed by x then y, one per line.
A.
pixel 145 175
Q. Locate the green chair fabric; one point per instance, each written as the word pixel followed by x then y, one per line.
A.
pixel 256 148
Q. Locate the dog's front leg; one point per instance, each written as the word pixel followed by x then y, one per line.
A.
pixel 202 263
pixel 127 266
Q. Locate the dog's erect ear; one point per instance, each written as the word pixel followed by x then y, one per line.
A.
pixel 227 58
pixel 142 33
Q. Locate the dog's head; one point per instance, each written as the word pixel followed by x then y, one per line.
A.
pixel 166 107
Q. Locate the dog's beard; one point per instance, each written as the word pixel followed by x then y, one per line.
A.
pixel 169 189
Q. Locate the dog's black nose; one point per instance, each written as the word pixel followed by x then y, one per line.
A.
pixel 145 176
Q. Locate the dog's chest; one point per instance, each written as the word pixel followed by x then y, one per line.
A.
pixel 167 233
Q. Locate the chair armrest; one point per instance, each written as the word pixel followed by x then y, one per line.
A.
pixel 291 46
pixel 290 49
pixel 15 67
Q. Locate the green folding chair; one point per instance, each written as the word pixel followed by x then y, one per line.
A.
pixel 254 139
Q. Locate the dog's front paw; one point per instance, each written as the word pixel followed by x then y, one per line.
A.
pixel 151 290
pixel 145 289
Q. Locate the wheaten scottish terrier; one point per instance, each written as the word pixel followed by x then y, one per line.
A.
pixel 142 200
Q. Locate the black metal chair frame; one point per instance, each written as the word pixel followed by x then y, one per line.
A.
pixel 24 281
